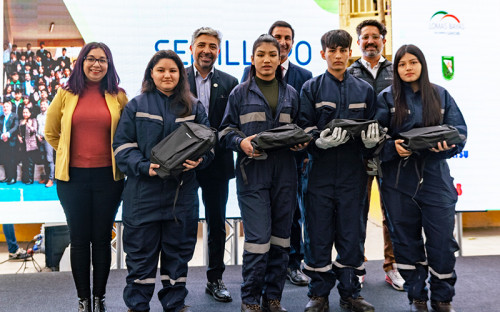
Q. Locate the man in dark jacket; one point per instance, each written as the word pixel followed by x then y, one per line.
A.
pixel 63 59
pixel 373 68
pixel 212 88
pixel 295 76
pixel 8 129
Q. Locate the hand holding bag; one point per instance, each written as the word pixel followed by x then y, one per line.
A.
pixel 418 139
pixel 189 141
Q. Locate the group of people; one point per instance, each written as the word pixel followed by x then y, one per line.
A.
pixel 32 80
pixel 321 184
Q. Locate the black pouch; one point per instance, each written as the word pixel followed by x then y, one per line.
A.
pixel 418 139
pixel 277 138
pixel 280 137
pixel 189 141
pixel 354 126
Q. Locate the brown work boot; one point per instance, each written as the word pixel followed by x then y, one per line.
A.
pixel 272 305
pixel 356 304
pixel 418 306
pixel 317 304
pixel 250 308
pixel 439 306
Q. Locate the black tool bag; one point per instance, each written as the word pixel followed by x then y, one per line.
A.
pixel 286 136
pixel 278 138
pixel 418 139
pixel 189 141
pixel 354 126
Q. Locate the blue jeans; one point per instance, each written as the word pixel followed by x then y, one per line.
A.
pixel 10 237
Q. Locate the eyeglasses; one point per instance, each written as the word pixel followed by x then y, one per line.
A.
pixel 374 37
pixel 92 60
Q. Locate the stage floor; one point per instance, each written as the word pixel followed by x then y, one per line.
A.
pixel 476 290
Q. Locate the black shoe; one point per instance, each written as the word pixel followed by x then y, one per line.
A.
pixel 317 304
pixel 272 305
pixel 219 291
pixel 99 304
pixel 356 304
pixel 296 277
pixel 438 306
pixel 418 306
pixel 4 180
pixel 11 181
pixel 250 308
pixel 84 305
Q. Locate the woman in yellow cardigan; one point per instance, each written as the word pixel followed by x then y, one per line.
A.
pixel 81 122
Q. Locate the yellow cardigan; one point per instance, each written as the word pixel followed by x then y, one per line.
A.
pixel 58 128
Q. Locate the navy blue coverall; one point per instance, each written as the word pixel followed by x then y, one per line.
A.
pixel 268 200
pixel 150 228
pixel 430 205
pixel 335 185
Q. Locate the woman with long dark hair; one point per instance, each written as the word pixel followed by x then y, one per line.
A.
pixel 28 145
pixel 417 188
pixel 160 217
pixel 81 122
pixel 267 196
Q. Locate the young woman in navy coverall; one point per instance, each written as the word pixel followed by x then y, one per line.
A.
pixel 153 225
pixel 267 199
pixel 417 189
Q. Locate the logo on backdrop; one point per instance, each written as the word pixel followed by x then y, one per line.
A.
pixel 462 154
pixel 448 65
pixel 331 6
pixel 443 23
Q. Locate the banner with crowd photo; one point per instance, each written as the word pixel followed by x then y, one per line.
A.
pixel 454 36
pixel 134 31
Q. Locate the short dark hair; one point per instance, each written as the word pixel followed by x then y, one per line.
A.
pixel 181 94
pixel 381 27
pixel 64 49
pixel 281 24
pixel 336 38
pixel 77 79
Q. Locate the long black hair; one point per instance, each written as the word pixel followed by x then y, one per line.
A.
pixel 265 38
pixel 431 103
pixel 181 95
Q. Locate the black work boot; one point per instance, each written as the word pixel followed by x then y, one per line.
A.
pixel 84 305
pixel 99 304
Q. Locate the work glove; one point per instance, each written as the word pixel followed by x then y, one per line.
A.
pixel 371 167
pixel 337 138
pixel 372 137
